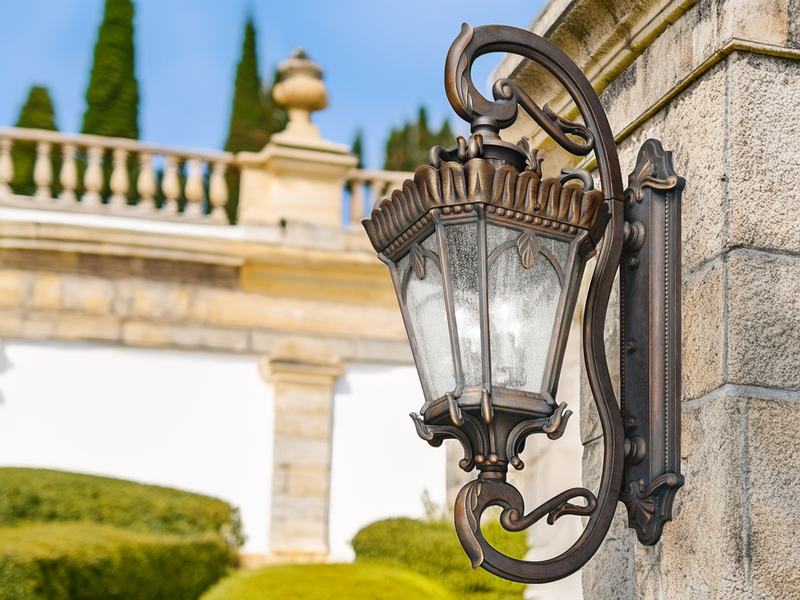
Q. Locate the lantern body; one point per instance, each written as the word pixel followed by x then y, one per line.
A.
pixel 487 262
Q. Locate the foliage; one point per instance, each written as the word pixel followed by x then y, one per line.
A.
pixel 357 149
pixel 254 115
pixel 408 147
pixel 87 561
pixel 36 113
pixel 432 549
pixel 331 582
pixel 42 495
pixel 112 97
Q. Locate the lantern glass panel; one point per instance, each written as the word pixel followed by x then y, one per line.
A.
pixel 425 302
pixel 522 308
pixel 462 252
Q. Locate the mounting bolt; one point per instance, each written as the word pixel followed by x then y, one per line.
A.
pixel 633 234
pixel 633 262
pixel 632 346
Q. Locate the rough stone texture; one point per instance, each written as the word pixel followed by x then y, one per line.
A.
pixel 764 122
pixel 764 319
pixel 703 329
pixel 700 109
pixel 611 573
pixel 773 446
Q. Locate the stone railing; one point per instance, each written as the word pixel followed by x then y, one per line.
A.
pixel 85 167
pixel 96 174
pixel 369 186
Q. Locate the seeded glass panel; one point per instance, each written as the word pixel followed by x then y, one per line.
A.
pixel 426 307
pixel 522 310
pixel 462 252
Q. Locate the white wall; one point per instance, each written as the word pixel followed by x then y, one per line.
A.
pixel 203 422
pixel 380 465
pixel 194 421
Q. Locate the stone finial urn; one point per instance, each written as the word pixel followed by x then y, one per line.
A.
pixel 301 91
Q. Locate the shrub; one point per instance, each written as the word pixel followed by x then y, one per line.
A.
pixel 331 582
pixel 41 495
pixel 88 561
pixel 432 549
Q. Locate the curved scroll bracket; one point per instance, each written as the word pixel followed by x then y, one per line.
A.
pixel 476 496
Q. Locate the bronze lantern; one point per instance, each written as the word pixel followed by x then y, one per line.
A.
pixel 487 256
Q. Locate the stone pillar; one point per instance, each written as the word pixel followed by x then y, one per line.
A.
pixel 726 73
pixel 303 379
pixel 298 177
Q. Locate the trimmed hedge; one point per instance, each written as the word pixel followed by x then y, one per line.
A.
pixel 432 549
pixel 42 495
pixel 88 561
pixel 328 582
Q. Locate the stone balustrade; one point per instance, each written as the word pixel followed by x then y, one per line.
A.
pixel 368 186
pixel 97 174
pixel 94 174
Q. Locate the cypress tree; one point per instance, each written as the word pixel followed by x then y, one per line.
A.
pixel 36 113
pixel 254 114
pixel 112 97
pixel 408 146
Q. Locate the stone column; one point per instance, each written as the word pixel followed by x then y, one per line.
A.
pixel 731 118
pixel 303 379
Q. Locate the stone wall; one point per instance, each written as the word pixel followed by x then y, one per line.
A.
pixel 719 83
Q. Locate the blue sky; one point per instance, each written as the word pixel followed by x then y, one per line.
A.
pixel 382 60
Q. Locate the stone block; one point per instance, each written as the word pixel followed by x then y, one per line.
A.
pixel 763 149
pixel 12 287
pixel 703 329
pixel 303 424
pixel 72 327
pixel 46 291
pixel 87 294
pixel 309 481
pixel 701 552
pixel 159 300
pixel 698 158
pixel 297 451
pixel 291 508
pixel 773 484
pixel 764 319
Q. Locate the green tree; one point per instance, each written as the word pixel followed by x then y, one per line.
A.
pixel 357 150
pixel 408 146
pixel 112 98
pixel 36 113
pixel 254 115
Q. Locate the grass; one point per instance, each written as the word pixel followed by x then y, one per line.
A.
pixel 317 582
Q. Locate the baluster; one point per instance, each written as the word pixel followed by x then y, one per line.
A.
pixel 43 171
pixel 194 188
pixel 69 174
pixel 93 178
pixel 171 186
pixel 119 182
pixel 376 188
pixel 218 192
pixel 6 168
pixel 146 184
pixel 356 201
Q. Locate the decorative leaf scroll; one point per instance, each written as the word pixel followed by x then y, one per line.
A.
pixel 529 246
pixel 418 261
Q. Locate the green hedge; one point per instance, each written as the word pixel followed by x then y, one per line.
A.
pixel 88 561
pixel 328 582
pixel 432 549
pixel 41 495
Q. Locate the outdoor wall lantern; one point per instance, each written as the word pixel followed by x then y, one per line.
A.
pixel 487 257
